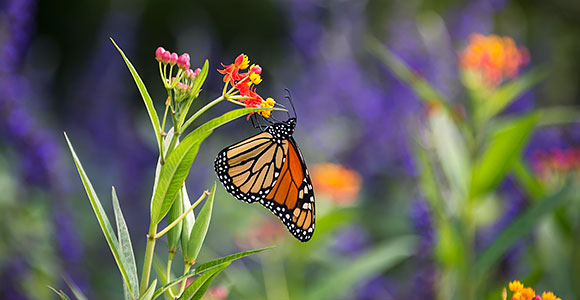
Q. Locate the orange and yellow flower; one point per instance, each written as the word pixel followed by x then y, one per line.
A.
pixel 520 292
pixel 493 58
pixel 243 84
pixel 338 182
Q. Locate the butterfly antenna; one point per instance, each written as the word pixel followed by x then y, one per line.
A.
pixel 289 97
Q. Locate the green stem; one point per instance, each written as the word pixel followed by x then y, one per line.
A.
pixel 201 111
pixel 168 272
pixel 148 261
pixel 559 115
pixel 164 231
pixel 185 270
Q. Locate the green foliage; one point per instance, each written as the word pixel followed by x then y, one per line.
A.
pixel 199 230
pixel 125 246
pixel 198 287
pixel 103 220
pixel 377 260
pixel 144 94
pixel 503 150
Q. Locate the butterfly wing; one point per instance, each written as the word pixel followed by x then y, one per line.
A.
pixel 292 197
pixel 249 169
pixel 272 172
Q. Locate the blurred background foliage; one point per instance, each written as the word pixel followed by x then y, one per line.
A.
pixel 59 71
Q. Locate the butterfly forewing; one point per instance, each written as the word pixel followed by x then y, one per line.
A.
pixel 269 168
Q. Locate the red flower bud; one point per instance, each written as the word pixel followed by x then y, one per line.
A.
pixel 537 298
pixel 166 57
pixel 173 58
pixel 256 69
pixel 159 53
pixel 183 61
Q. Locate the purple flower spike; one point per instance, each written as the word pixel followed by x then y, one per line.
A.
pixel 159 53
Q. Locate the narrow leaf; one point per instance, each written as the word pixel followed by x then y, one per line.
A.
pixel 502 151
pixel 188 221
pixel 60 293
pixel 220 261
pixel 125 246
pixel 200 79
pixel 400 69
pixel 75 290
pixel 369 264
pixel 198 287
pixel 144 94
pixel 452 151
pixel 100 214
pixel 148 295
pixel 522 226
pixel 208 266
pixel 199 230
pixel 506 94
pixel 175 212
pixel 173 174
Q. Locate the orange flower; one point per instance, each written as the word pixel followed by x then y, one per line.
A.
pixel 493 58
pixel 549 296
pixel 244 84
pixel 340 183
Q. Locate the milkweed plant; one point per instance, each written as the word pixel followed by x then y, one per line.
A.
pixel 178 143
pixel 465 149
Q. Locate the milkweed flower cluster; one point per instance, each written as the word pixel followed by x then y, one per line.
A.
pixel 338 182
pixel 182 82
pixel 492 58
pixel 244 84
pixel 520 292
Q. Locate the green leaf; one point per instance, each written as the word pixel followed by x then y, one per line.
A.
pixel 144 94
pixel 173 174
pixel 417 83
pixel 75 290
pixel 125 246
pixel 198 287
pixel 101 216
pixel 207 266
pixel 452 152
pixel 502 151
pixel 521 227
pixel 188 221
pixel 175 212
pixel 220 261
pixel 375 261
pixel 199 230
pixel 200 79
pixel 506 94
pixel 60 293
pixel 148 295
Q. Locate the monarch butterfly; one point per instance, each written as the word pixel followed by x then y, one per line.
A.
pixel 268 168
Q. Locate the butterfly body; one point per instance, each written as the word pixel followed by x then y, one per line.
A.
pixel 268 168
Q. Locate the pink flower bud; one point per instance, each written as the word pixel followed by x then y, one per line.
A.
pixel 188 73
pixel 537 298
pixel 166 57
pixel 159 53
pixel 196 73
pixel 183 61
pixel 256 69
pixel 173 58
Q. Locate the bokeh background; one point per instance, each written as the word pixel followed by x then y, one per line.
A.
pixel 60 72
